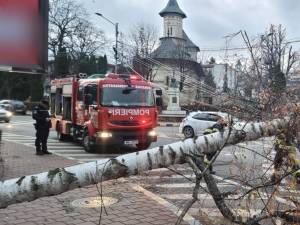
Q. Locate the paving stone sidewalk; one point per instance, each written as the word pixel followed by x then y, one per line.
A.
pixel 131 208
pixel 20 160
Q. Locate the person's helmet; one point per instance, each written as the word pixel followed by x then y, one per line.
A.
pixel 222 121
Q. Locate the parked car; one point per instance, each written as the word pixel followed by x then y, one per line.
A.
pixel 5 115
pixel 196 122
pixel 14 106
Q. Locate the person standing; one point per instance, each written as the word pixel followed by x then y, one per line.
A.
pixel 217 127
pixel 41 115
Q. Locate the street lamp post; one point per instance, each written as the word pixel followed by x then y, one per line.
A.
pixel 116 25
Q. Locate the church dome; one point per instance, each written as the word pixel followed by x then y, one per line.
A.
pixel 172 7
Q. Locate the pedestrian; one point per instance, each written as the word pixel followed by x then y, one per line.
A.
pixel 41 115
pixel 217 127
pixel 285 152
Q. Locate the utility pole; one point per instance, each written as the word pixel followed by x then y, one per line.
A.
pixel 116 25
pixel 228 38
pixel 116 48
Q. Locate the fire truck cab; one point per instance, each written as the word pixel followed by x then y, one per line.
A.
pixel 114 110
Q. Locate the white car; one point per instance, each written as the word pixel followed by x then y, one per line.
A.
pixel 5 115
pixel 196 122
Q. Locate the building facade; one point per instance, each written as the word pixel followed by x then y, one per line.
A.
pixel 223 73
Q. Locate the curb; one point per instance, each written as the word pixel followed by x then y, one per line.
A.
pixel 173 208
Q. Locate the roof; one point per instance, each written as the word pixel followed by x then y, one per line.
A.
pixel 167 50
pixel 189 43
pixel 172 7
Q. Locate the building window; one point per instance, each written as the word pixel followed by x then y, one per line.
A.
pixel 171 31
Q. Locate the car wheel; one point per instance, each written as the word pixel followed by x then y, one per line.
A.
pixel 86 142
pixel 7 121
pixel 188 132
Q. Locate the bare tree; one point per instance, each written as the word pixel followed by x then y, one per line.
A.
pixel 143 40
pixel 250 185
pixel 85 41
pixel 272 59
pixel 64 17
pixel 72 37
pixel 266 72
pixel 277 51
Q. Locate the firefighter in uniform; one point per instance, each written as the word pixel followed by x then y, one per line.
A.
pixel 285 149
pixel 41 115
pixel 217 127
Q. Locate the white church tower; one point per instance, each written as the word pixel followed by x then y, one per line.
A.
pixel 173 32
pixel 179 55
pixel 173 17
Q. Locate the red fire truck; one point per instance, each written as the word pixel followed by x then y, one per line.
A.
pixel 114 110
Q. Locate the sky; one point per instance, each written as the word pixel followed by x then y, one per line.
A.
pixel 207 22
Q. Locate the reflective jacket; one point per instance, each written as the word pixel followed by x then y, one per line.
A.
pixel 215 128
pixel 282 145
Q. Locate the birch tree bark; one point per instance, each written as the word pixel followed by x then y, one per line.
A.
pixel 61 180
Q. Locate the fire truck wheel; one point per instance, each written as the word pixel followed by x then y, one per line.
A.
pixel 143 146
pixel 86 141
pixel 102 149
pixel 61 137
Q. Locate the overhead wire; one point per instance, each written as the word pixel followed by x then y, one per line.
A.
pixel 206 89
pixel 193 80
pixel 171 69
pixel 194 83
pixel 191 84
pixel 213 94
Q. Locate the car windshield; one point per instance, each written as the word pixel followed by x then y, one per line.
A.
pixel 122 95
pixel 18 103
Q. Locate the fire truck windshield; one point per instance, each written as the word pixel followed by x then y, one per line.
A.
pixel 122 96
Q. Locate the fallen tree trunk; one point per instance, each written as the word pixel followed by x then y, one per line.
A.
pixel 63 179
